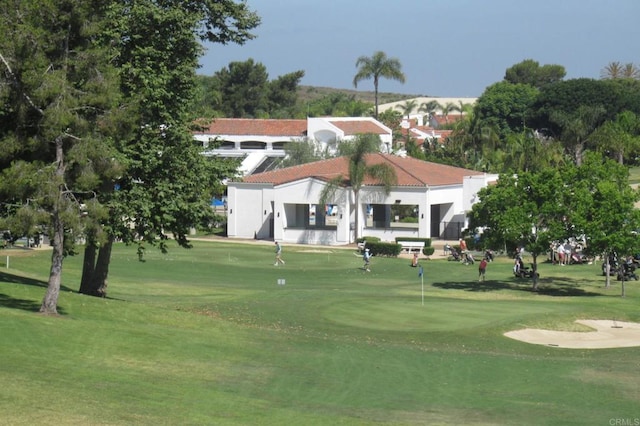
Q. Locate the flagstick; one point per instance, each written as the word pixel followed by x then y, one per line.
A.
pixel 421 273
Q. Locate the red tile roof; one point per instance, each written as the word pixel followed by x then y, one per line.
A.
pixel 410 171
pixel 256 127
pixel 437 132
pixel 358 127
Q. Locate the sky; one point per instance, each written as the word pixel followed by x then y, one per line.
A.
pixel 447 48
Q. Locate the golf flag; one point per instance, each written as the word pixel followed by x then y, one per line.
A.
pixel 421 275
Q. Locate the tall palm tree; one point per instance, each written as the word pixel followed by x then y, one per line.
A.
pixel 615 70
pixel 463 108
pixel 611 71
pixel 375 67
pixel 631 70
pixel 383 173
pixel 446 109
pixel 407 107
pixel 429 108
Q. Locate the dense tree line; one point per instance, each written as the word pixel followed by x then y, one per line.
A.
pixel 535 119
pixel 531 119
pixel 244 90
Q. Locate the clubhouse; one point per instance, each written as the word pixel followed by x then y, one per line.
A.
pixel 429 200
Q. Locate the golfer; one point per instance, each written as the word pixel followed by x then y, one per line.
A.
pixel 367 260
pixel 278 255
pixel 482 269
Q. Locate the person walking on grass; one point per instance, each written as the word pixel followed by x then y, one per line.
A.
pixel 367 260
pixel 482 269
pixel 278 255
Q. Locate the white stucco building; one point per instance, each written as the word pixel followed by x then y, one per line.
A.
pixel 284 204
pixel 259 141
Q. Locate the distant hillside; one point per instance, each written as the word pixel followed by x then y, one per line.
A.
pixel 310 93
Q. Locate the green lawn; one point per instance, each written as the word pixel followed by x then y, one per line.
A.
pixel 207 336
pixel 634 175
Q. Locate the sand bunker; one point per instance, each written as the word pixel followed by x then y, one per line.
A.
pixel 606 334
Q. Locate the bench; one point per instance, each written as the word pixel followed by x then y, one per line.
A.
pixel 409 246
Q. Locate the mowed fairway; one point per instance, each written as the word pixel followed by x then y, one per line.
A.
pixel 207 336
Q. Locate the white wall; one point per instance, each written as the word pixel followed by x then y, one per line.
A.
pixel 471 186
pixel 246 207
pixel 308 191
pixel 250 209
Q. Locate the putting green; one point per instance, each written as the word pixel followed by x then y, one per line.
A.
pixel 435 315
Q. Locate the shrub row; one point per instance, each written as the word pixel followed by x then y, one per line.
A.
pixel 379 248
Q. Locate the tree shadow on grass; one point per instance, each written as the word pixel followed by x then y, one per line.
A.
pixel 549 287
pixel 475 286
pixel 558 286
pixel 24 304
pixel 16 279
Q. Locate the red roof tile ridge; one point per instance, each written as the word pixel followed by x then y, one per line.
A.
pixel 398 164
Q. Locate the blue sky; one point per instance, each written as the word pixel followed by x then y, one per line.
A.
pixel 448 48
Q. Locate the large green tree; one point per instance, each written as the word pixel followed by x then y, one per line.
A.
pixel 577 128
pixel 243 86
pixel 59 96
pixel 167 184
pixel 566 97
pixel 530 72
pixel 521 210
pixel 243 90
pixel 376 66
pixel 601 205
pixel 534 209
pixel 503 108
pixel 95 130
pixel 283 95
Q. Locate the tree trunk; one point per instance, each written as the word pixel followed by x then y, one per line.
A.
pixel 50 301
pixel 534 267
pixel 357 214
pixel 578 154
pixel 99 282
pixel 88 266
pixel 95 272
pixel 607 270
pixel 375 94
